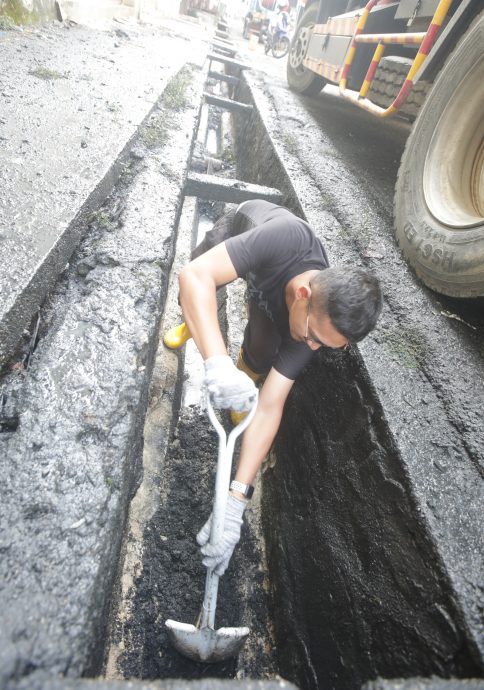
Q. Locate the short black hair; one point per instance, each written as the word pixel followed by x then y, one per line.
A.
pixel 351 297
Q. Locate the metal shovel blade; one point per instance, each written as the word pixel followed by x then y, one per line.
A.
pixel 205 644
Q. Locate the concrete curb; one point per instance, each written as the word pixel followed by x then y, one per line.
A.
pixel 43 682
pixel 71 464
pixel 433 683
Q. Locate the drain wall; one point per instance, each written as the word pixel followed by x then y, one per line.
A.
pixel 358 586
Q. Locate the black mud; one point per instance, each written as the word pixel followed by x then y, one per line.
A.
pixel 348 552
pixel 171 584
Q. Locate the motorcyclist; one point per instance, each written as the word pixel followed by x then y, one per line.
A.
pixel 280 21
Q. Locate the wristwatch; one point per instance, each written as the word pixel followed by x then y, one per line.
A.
pixel 246 489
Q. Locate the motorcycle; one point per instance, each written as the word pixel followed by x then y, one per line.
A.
pixel 277 40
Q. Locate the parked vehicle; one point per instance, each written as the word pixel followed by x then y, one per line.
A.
pixel 432 74
pixel 277 41
pixel 258 17
pixel 277 35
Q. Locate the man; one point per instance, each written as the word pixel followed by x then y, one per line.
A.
pixel 297 304
pixel 280 20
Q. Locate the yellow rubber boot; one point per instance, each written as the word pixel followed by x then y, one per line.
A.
pixel 238 417
pixel 176 336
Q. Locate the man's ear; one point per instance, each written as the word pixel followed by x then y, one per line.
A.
pixel 303 292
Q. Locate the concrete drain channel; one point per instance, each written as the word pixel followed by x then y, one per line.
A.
pixel 336 574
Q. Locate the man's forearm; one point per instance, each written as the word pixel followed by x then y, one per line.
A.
pixel 256 443
pixel 258 438
pixel 198 285
pixel 199 303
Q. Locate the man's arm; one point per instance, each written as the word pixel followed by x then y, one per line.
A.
pixel 198 282
pixel 258 437
pixel 256 443
pixel 227 386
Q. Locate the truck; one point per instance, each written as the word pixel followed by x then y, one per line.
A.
pixel 422 60
pixel 257 18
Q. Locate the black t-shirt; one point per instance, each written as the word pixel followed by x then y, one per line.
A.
pixel 273 246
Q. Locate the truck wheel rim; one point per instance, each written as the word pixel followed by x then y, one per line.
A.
pixel 453 180
pixel 299 47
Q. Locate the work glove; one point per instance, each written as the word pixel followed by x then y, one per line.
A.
pixel 217 556
pixel 228 386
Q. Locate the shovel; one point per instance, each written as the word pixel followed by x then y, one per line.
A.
pixel 201 642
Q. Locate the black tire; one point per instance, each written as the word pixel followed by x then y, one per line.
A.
pixel 299 78
pixel 439 197
pixel 388 81
pixel 267 45
pixel 280 47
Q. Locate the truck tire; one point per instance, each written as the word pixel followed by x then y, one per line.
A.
pixel 299 78
pixel 439 196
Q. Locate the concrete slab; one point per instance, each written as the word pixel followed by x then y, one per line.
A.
pixel 219 47
pixel 228 104
pixel 220 76
pixel 230 62
pixel 70 451
pixel 44 682
pixel 231 191
pixel 433 683
pixel 72 100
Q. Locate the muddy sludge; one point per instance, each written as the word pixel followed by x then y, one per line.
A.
pixel 172 581
pixel 359 588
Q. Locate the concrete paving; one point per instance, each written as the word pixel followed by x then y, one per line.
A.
pixel 72 100
pixel 71 416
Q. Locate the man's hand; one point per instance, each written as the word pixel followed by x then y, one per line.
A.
pixel 228 386
pixel 217 556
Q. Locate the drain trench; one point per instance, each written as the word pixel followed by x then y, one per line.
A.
pixel 162 575
pixel 336 574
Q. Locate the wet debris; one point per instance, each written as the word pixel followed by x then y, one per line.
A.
pixel 47 74
pixel 450 315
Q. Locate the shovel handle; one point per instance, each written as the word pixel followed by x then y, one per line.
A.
pixel 222 481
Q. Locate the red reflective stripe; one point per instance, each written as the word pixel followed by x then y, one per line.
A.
pixel 402 96
pixel 429 39
pixel 371 70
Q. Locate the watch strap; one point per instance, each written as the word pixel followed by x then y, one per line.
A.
pixel 246 489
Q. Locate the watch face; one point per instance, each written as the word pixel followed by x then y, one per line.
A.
pixel 249 491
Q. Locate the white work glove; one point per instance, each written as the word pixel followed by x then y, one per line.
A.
pixel 228 386
pixel 217 556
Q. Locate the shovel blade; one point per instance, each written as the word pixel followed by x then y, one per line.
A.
pixel 205 644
